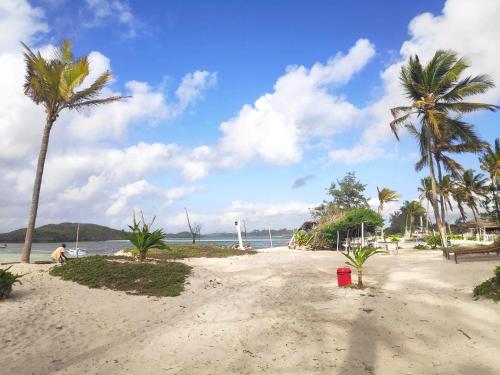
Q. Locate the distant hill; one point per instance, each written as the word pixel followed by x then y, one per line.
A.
pixel 66 232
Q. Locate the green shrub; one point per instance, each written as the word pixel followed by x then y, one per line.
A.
pixel 420 246
pixel 394 238
pixel 497 241
pixel 490 288
pixel 302 238
pixel 7 280
pixel 434 241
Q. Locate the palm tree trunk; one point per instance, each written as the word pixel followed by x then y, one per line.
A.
pixel 25 257
pixel 449 226
pixel 360 278
pixel 495 197
pixel 441 201
pixel 434 203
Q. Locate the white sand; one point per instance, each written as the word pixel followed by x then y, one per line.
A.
pixel 278 312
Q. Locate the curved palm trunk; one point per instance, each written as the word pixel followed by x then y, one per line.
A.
pixel 441 201
pixel 25 257
pixel 434 203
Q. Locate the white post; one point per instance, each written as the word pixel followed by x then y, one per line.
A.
pixel 362 234
pixel 270 237
pixel 337 240
pixel 238 229
pixel 77 232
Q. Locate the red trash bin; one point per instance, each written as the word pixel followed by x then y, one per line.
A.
pixel 344 276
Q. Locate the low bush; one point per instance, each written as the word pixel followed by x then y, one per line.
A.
pixel 420 246
pixel 188 250
pixel 7 280
pixel 302 238
pixel 434 241
pixel 164 279
pixel 490 288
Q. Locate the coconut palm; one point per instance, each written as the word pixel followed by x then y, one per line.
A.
pixel 471 186
pixel 456 137
pixel 358 259
pixel 425 191
pixel 446 191
pixel 490 162
pixel 385 195
pixel 436 92
pixel 53 83
pixel 413 209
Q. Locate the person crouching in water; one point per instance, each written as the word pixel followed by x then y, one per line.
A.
pixel 58 255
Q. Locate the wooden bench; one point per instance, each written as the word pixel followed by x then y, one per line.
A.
pixel 484 250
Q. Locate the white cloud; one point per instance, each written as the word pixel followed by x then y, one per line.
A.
pixel 103 10
pixel 301 108
pixel 19 22
pixel 257 215
pixel 469 28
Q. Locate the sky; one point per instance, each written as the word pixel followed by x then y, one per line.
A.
pixel 238 110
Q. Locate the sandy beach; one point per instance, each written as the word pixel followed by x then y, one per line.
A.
pixel 278 312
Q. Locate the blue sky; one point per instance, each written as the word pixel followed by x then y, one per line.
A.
pixel 242 49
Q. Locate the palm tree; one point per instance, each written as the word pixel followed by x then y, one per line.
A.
pixel 53 83
pixel 436 92
pixel 456 137
pixel 386 195
pixel 490 162
pixel 470 187
pixel 143 238
pixel 446 191
pixel 413 208
pixel 425 191
pixel 358 259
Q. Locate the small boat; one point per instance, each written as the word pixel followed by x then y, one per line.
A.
pixel 74 252
pixel 3 246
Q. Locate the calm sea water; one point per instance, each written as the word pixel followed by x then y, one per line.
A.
pixel 41 251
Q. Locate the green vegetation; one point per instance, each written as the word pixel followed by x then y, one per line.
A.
pixel 142 237
pixel 490 163
pixel 302 238
pixel 163 279
pixel 420 246
pixel 437 92
pixel 7 280
pixel 434 241
pixel 358 259
pixel 198 250
pixel 66 232
pixel 490 288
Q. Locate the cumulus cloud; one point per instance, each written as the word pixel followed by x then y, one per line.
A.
pixel 469 28
pixel 301 181
pixel 301 107
pixel 104 10
pixel 86 169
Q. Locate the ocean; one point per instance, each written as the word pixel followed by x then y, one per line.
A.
pixel 42 251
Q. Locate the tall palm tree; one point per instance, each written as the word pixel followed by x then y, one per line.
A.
pixel 413 209
pixel 436 92
pixel 425 191
pixel 53 83
pixel 446 191
pixel 456 137
pixel 471 186
pixel 490 162
pixel 385 195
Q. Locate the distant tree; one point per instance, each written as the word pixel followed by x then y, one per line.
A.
pixel 346 194
pixel 53 83
pixel 490 162
pixel 471 187
pixel 350 222
pixel 194 229
pixel 385 195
